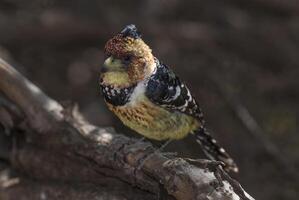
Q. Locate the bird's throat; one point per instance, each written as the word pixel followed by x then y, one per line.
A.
pixel 116 79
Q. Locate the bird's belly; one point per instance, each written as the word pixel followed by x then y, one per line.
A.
pixel 155 122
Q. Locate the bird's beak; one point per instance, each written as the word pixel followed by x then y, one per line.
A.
pixel 112 64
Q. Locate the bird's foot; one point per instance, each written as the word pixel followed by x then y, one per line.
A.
pixel 140 139
pixel 205 163
pixel 146 157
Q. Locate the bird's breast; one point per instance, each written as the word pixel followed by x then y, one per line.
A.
pixel 153 121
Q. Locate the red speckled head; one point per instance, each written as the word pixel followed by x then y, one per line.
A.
pixel 129 47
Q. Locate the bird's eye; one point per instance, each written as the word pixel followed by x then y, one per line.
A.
pixel 127 59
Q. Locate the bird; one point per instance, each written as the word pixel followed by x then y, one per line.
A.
pixel 148 97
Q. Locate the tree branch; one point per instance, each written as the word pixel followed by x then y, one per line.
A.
pixel 61 146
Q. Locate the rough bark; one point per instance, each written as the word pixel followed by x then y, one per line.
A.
pixel 57 154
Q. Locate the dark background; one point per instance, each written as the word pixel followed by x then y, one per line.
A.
pixel 239 58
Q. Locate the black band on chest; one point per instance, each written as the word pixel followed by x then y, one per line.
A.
pixel 117 96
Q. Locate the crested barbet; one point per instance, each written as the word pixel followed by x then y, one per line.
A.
pixel 149 98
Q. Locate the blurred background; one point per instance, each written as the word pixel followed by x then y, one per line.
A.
pixel 239 58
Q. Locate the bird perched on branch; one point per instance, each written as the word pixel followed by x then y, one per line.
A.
pixel 148 97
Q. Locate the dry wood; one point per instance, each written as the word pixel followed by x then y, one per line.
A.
pixel 64 154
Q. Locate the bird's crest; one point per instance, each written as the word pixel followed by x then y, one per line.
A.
pixel 131 31
pixel 127 42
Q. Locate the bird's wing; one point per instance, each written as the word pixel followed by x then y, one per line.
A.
pixel 165 89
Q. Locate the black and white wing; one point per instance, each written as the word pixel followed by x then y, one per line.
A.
pixel 165 89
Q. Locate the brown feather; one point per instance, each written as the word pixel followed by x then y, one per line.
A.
pixel 142 60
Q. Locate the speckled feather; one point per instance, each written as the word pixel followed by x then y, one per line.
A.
pixel 165 89
pixel 116 96
pixel 153 121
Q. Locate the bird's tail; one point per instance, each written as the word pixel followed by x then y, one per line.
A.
pixel 214 151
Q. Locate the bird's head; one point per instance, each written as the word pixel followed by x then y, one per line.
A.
pixel 128 59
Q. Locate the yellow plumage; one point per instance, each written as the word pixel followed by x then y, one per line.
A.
pixel 154 122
